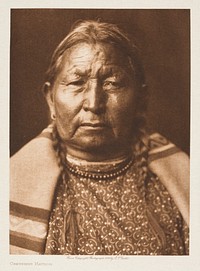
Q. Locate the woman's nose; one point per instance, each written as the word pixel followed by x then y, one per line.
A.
pixel 94 99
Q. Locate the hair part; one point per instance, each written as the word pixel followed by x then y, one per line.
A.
pixel 94 32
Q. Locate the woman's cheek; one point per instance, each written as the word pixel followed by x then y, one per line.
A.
pixel 122 108
pixel 69 102
pixel 64 120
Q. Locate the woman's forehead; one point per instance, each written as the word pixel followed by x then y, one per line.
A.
pixel 85 56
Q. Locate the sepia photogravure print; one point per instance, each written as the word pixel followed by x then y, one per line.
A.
pixel 99 132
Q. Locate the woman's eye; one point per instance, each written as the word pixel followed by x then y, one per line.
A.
pixel 111 85
pixel 77 83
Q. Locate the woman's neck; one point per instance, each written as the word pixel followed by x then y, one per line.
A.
pixel 79 161
pixel 98 155
pixel 101 170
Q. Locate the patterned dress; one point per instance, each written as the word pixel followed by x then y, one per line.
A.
pixel 124 215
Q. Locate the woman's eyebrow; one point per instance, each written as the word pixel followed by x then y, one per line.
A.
pixel 73 74
pixel 113 70
pixel 79 72
pixel 104 71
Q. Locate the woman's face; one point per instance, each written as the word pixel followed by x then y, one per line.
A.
pixel 93 98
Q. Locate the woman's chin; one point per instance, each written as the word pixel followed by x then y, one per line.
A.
pixel 94 148
pixel 95 143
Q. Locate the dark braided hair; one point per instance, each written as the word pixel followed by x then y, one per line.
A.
pixel 93 32
pixel 60 150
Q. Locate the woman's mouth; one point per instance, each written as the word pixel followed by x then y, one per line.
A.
pixel 94 125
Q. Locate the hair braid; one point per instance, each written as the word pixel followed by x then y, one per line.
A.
pixel 141 147
pixel 60 151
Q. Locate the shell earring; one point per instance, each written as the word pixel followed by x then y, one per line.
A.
pixel 53 116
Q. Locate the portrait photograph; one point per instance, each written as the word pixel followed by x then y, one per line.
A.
pixel 101 169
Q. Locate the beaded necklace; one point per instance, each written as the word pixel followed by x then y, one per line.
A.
pixel 98 170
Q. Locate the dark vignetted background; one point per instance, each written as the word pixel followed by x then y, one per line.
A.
pixel 163 37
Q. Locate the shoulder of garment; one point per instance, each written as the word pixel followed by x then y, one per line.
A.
pixel 172 167
pixel 34 172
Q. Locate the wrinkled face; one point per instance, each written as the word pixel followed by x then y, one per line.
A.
pixel 93 98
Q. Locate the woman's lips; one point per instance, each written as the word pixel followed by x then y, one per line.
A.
pixel 94 125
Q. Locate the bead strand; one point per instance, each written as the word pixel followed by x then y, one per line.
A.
pixel 99 175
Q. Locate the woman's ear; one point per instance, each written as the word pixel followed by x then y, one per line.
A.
pixel 48 93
